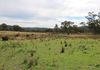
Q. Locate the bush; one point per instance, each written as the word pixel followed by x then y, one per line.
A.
pixel 62 50
pixel 5 38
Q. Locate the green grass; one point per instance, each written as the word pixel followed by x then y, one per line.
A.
pixel 80 54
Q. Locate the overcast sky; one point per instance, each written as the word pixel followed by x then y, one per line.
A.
pixel 45 13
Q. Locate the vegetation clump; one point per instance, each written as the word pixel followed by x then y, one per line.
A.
pixel 62 50
pixel 5 38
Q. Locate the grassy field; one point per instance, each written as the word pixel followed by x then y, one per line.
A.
pixel 52 53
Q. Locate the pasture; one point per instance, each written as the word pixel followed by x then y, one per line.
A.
pixel 50 53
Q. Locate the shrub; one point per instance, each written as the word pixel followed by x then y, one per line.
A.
pixel 97 65
pixel 70 44
pixel 27 35
pixel 5 38
pixel 65 43
pixel 16 35
pixel 62 50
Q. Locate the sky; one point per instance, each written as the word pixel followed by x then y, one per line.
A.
pixel 45 13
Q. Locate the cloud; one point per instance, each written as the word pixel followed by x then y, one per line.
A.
pixel 45 13
pixel 18 15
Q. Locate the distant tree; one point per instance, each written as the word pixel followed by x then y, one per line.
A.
pixel 94 22
pixel 66 26
pixel 75 29
pixel 17 28
pixel 56 28
pixel 83 24
pixel 4 26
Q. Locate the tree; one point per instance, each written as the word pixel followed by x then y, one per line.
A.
pixel 66 26
pixel 3 26
pixel 94 22
pixel 17 28
pixel 56 28
pixel 75 29
pixel 83 24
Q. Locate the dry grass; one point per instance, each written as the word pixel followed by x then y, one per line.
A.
pixel 22 35
pixel 34 35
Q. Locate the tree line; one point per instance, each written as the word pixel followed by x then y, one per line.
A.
pixel 5 27
pixel 92 25
pixel 64 28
